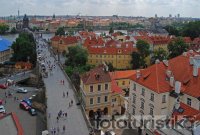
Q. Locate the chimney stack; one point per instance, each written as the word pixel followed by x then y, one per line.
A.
pixel 138 74
pixel 195 71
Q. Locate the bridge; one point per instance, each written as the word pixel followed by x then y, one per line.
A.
pixel 17 77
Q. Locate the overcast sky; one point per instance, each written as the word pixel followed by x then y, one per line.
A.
pixel 148 8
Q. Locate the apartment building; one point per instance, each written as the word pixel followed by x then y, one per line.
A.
pixel 62 43
pixel 167 89
pixel 100 93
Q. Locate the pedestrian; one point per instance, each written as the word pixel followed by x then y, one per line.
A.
pixel 57 119
pixel 5 101
pixel 51 131
pixel 63 82
pixel 66 114
pixel 72 102
pixel 54 131
pixel 63 94
pixel 67 93
pixel 63 128
pixel 5 94
pixel 58 130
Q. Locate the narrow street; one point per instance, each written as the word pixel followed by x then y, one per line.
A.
pixel 74 123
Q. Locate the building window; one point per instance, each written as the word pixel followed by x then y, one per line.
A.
pixel 106 99
pixel 152 97
pixel 99 87
pixel 134 86
pixel 91 101
pixel 143 92
pixel 189 101
pixel 164 99
pixel 123 83
pixel 142 105
pixel 151 111
pixel 114 100
pixel 106 86
pixel 98 100
pixel 134 98
pixel 91 88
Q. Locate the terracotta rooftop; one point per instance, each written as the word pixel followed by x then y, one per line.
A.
pixel 122 74
pixel 155 78
pixel 96 75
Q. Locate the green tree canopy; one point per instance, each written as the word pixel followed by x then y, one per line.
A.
pixel 3 28
pixel 177 47
pixel 135 60
pixel 143 48
pixel 77 56
pixel 60 31
pixel 24 48
pixel 13 30
pixel 111 30
pixel 160 54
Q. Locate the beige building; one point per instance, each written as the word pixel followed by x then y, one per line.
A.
pixel 100 93
pixel 167 89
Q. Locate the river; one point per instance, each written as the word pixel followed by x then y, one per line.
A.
pixel 12 37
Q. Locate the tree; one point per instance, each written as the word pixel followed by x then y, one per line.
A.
pixel 160 54
pixel 111 30
pixel 24 48
pixel 77 56
pixel 60 31
pixel 143 50
pixel 110 67
pixel 172 30
pixel 177 47
pixel 3 28
pixel 135 60
pixel 13 30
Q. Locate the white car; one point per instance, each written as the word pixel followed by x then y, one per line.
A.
pixel 2 109
pixel 21 90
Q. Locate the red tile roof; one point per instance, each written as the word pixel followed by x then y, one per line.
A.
pixel 122 74
pixel 85 34
pixel 93 41
pixel 187 40
pixel 115 88
pixel 96 75
pixel 154 77
pixel 188 110
pixel 66 39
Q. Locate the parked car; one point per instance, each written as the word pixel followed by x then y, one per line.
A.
pixel 21 90
pixel 3 86
pixel 24 106
pixel 32 111
pixel 27 101
pixel 2 109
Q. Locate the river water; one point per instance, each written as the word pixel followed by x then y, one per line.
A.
pixel 12 37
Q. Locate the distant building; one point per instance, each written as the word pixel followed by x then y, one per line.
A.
pixel 5 50
pixel 25 22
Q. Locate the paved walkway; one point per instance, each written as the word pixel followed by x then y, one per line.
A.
pixel 74 123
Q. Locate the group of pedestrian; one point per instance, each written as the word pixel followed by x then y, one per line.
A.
pixel 64 94
pixel 70 103
pixel 62 82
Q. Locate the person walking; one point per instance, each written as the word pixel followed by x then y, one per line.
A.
pixel 67 93
pixel 63 94
pixel 63 128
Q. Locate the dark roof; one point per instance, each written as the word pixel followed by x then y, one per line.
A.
pixel 4 44
pixel 96 75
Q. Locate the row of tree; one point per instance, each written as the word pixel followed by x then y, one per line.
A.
pixel 191 29
pixel 24 48
pixel 175 48
pixel 5 28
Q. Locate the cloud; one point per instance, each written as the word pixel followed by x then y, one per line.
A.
pixel 188 8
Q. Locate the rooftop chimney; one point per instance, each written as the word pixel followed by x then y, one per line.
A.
pixel 191 60
pixel 157 61
pixel 177 87
pixel 166 62
pixel 171 81
pixel 195 71
pixel 184 53
pixel 138 74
